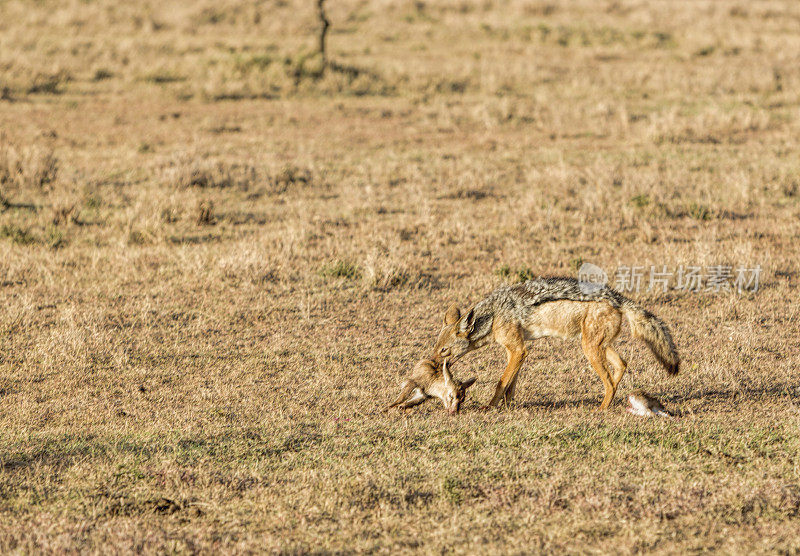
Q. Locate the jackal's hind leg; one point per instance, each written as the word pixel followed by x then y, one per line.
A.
pixel 512 389
pixel 592 340
pixel 596 358
pixel 618 363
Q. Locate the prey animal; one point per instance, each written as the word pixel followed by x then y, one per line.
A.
pixel 432 379
pixel 558 307
pixel 646 406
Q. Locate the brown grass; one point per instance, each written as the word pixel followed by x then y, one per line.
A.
pixel 217 266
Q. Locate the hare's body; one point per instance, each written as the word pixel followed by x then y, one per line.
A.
pixel 646 406
pixel 430 379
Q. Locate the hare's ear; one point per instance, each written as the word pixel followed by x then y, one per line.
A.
pixel 405 393
pixel 446 373
pixel 467 323
pixel 469 382
pixel 452 315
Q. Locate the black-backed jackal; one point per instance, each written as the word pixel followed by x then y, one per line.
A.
pixel 559 307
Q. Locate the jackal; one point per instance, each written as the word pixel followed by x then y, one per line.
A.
pixel 560 307
pixel 432 379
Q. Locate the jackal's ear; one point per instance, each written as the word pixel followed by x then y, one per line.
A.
pixel 452 315
pixel 469 382
pixel 467 323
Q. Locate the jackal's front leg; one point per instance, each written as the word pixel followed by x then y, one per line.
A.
pixel 512 339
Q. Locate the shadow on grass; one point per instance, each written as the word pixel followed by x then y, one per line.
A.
pixel 4 204
pixel 194 239
pixel 713 397
pixel 354 72
pixel 733 394
pixel 67 451
pixel 47 455
pixel 560 403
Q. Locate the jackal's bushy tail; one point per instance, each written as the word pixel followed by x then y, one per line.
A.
pixel 648 327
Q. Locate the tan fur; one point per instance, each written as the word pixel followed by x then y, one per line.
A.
pixel 646 405
pixel 597 323
pixel 432 379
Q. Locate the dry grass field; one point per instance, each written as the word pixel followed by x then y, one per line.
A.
pixel 217 263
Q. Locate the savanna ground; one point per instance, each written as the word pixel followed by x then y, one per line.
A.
pixel 217 263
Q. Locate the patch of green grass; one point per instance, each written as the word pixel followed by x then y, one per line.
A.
pixel 54 238
pixel 93 202
pixel 503 271
pixel 341 269
pixel 664 39
pixel 139 237
pixel 102 74
pixel 699 211
pixel 290 175
pixel 164 77
pixel 451 489
pixel 521 274
pixel 705 51
pixel 524 274
pixel 256 62
pixel 18 235
pixel 48 83
pixel 641 200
